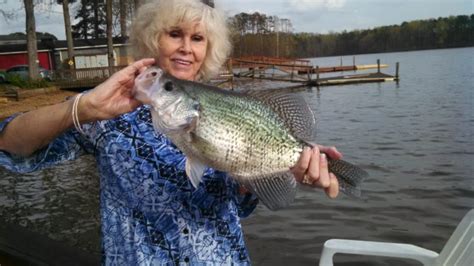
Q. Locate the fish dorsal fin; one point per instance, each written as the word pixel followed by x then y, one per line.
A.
pixel 276 191
pixel 195 170
pixel 292 108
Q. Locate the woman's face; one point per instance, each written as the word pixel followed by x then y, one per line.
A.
pixel 182 50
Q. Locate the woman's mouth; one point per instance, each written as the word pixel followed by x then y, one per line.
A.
pixel 182 62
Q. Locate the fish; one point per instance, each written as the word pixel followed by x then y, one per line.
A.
pixel 254 136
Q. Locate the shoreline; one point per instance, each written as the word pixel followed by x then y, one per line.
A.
pixel 11 106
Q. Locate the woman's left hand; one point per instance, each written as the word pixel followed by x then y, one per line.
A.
pixel 312 169
pixel 114 96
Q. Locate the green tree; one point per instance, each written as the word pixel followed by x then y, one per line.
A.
pixel 91 20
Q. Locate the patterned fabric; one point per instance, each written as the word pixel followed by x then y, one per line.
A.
pixel 150 212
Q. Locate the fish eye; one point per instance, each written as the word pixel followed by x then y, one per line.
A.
pixel 168 86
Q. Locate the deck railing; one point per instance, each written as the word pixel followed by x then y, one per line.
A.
pixel 85 73
pixel 83 77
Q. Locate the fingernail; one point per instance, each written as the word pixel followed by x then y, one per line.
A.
pixel 316 150
pixel 323 156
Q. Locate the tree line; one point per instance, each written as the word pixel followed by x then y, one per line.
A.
pixel 258 33
pixel 443 32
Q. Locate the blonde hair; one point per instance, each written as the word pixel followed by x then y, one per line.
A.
pixel 156 17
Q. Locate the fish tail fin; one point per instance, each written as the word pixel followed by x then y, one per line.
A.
pixel 349 176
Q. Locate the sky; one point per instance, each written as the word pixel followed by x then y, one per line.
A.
pixel 319 16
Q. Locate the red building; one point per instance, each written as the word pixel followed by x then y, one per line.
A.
pixel 52 53
pixel 9 59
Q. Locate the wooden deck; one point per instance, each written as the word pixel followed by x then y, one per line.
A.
pixel 83 78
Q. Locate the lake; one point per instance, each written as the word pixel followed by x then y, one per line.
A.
pixel 415 139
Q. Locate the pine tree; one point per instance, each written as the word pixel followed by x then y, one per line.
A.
pixel 92 22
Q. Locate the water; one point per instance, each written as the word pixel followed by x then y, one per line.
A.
pixel 60 202
pixel 416 141
pixel 414 138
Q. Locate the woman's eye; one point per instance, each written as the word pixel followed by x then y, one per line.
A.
pixel 198 38
pixel 174 34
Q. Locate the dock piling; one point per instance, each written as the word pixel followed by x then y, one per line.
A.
pixel 317 74
pixel 397 68
pixel 378 65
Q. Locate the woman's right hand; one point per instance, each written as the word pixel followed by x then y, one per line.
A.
pixel 114 96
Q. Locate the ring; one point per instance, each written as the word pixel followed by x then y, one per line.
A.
pixel 307 180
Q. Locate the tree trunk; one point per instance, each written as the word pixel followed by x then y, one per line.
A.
pixel 110 44
pixel 67 27
pixel 136 4
pixel 123 17
pixel 96 19
pixel 31 40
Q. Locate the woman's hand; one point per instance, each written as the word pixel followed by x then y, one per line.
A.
pixel 114 96
pixel 312 169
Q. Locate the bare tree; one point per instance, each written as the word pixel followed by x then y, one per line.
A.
pixel 6 15
pixel 137 4
pixel 67 28
pixel 31 39
pixel 110 44
pixel 123 17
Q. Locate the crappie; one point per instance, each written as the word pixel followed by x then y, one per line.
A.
pixel 254 137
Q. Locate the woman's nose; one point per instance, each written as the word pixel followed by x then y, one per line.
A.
pixel 185 45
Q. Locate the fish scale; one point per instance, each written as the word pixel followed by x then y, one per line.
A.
pixel 246 119
pixel 255 137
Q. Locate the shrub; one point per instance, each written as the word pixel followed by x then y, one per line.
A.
pixel 3 77
pixel 20 82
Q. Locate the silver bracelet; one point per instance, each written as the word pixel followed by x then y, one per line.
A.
pixel 75 116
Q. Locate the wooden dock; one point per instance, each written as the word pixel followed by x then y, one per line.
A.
pixel 316 70
pixel 351 79
pixel 301 71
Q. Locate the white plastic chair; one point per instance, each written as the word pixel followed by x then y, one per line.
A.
pixel 458 251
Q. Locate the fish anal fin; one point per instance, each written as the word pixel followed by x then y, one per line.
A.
pixel 195 170
pixel 276 191
pixel 348 175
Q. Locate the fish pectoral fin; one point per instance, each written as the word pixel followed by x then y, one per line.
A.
pixel 195 170
pixel 276 191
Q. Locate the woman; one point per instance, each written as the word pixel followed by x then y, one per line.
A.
pixel 150 213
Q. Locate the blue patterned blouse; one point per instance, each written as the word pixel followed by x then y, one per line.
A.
pixel 150 212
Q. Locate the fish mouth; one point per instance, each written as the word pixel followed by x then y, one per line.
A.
pixel 144 81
